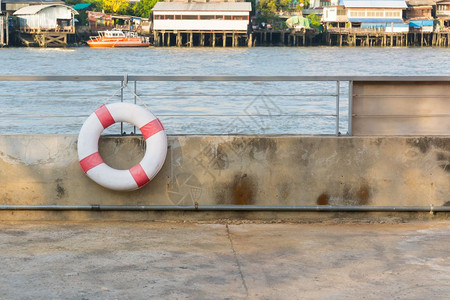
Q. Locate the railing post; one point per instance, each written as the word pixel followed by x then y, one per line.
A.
pixel 338 87
pixel 121 100
pixel 350 106
pixel 135 93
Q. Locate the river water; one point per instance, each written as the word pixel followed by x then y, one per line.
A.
pixel 204 107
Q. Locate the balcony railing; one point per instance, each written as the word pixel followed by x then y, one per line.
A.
pixel 316 105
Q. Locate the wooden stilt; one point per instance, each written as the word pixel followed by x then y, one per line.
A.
pixel 202 39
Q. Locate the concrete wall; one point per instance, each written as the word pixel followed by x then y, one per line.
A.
pixel 259 170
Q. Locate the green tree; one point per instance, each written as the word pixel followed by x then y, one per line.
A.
pixel 268 10
pixel 116 6
pixel 143 8
pixel 314 20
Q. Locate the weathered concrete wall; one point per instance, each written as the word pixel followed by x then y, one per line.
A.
pixel 260 170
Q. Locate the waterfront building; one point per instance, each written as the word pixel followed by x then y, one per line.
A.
pixel 8 7
pixel 419 15
pixel 187 23
pixel 386 15
pixel 419 9
pixel 46 25
pixel 443 14
pixel 99 21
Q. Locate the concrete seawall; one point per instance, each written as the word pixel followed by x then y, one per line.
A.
pixel 230 170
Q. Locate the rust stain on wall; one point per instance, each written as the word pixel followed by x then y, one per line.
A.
pixel 363 195
pixel 323 199
pixel 243 190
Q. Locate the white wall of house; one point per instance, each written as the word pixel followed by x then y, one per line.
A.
pixel 427 28
pixel 206 20
pixel 397 29
pixel 339 14
pixel 334 14
pixel 329 14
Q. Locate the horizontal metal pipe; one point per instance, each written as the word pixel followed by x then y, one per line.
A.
pixel 223 78
pixel 320 208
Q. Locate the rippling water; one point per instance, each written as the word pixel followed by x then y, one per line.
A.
pixel 204 107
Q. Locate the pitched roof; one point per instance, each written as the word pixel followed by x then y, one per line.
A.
pixel 222 6
pixel 34 9
pixel 33 1
pixel 80 6
pixel 374 3
pixel 420 2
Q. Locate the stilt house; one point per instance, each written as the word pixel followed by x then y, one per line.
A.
pixel 48 25
pixel 419 15
pixel 201 24
pixel 443 14
pixel 8 7
pixel 385 15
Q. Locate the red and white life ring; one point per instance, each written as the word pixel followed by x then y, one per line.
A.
pixel 122 180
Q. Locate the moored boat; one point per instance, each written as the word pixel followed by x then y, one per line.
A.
pixel 117 38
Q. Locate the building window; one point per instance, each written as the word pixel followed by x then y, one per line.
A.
pixel 227 17
pixel 190 17
pixel 393 14
pixel 357 14
pixel 206 17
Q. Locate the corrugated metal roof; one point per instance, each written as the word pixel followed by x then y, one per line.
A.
pixel 34 9
pixel 223 6
pixel 33 1
pixel 374 3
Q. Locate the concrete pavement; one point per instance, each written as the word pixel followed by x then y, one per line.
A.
pixel 176 260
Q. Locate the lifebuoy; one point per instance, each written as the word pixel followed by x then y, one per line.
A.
pixel 122 180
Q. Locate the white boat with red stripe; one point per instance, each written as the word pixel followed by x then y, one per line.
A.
pixel 122 180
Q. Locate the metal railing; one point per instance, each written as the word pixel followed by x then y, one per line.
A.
pixel 188 104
